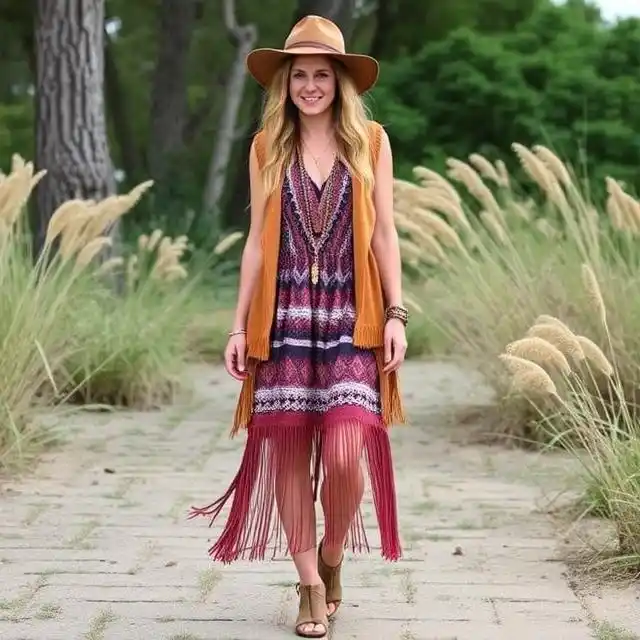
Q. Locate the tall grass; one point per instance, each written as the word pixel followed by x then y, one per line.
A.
pixel 580 396
pixel 38 302
pixel 489 261
pixel 131 345
pixel 149 331
pixel 66 334
pixel 504 268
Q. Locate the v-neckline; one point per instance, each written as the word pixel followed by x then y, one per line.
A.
pixel 319 188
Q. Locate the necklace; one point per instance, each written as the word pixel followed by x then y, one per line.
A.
pixel 316 228
pixel 316 159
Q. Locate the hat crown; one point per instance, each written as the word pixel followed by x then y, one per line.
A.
pixel 316 31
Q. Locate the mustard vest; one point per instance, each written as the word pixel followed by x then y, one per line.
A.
pixel 369 298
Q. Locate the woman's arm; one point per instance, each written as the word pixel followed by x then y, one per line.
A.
pixel 236 351
pixel 386 250
pixel 252 252
pixel 384 243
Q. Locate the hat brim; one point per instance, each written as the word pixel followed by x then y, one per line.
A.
pixel 263 64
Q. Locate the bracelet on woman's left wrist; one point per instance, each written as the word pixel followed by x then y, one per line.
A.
pixel 397 311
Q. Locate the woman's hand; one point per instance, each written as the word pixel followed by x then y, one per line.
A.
pixel 235 356
pixel 395 345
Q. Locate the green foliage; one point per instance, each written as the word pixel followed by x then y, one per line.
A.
pixel 16 134
pixel 561 77
pixel 411 23
pixel 131 348
pixel 457 77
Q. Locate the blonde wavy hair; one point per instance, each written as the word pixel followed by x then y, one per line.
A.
pixel 279 124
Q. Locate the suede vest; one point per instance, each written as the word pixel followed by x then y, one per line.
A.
pixel 369 297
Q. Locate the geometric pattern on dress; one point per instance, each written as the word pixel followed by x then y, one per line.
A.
pixel 314 366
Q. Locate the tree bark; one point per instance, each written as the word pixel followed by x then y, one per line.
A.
pixel 169 107
pixel 245 37
pixel 71 132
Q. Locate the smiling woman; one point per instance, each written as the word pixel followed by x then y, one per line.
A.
pixel 313 85
pixel 313 343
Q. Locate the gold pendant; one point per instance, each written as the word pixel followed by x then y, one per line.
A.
pixel 315 272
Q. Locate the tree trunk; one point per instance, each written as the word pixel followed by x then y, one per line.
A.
pixel 71 133
pixel 169 107
pixel 245 37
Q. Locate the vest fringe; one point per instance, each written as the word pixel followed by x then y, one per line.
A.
pixel 368 336
pixel 396 413
pixel 259 348
pixel 390 397
pixel 244 407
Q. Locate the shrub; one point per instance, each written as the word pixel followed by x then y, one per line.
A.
pixel 489 261
pixel 212 321
pixel 131 345
pixel 77 325
pixel 134 345
pixel 507 282
pixel 579 395
pixel 39 301
pixel 161 321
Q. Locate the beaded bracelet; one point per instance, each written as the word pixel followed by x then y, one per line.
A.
pixel 398 312
pixel 237 332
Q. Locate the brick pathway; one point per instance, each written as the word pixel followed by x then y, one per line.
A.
pixel 95 545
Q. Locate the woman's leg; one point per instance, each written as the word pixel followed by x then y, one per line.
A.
pixel 342 488
pixel 294 497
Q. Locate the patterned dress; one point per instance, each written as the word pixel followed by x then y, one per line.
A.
pixel 315 375
pixel 317 394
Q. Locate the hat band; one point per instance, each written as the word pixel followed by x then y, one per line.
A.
pixel 315 44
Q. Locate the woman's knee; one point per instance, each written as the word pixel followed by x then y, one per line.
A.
pixel 341 459
pixel 342 448
pixel 342 469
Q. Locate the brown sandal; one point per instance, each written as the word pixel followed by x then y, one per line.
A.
pixel 331 580
pixel 312 610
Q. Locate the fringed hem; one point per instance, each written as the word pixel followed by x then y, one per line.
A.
pixel 303 419
pixel 266 488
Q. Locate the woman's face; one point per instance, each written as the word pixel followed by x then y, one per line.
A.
pixel 312 84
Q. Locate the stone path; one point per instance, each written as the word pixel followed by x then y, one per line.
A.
pixel 96 546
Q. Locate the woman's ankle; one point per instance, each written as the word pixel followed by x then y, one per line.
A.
pixel 309 580
pixel 307 567
pixel 332 554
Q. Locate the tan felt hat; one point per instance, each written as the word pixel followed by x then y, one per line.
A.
pixel 314 35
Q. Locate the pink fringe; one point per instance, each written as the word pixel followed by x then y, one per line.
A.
pixel 255 522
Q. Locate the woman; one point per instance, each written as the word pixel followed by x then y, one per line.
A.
pixel 319 331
